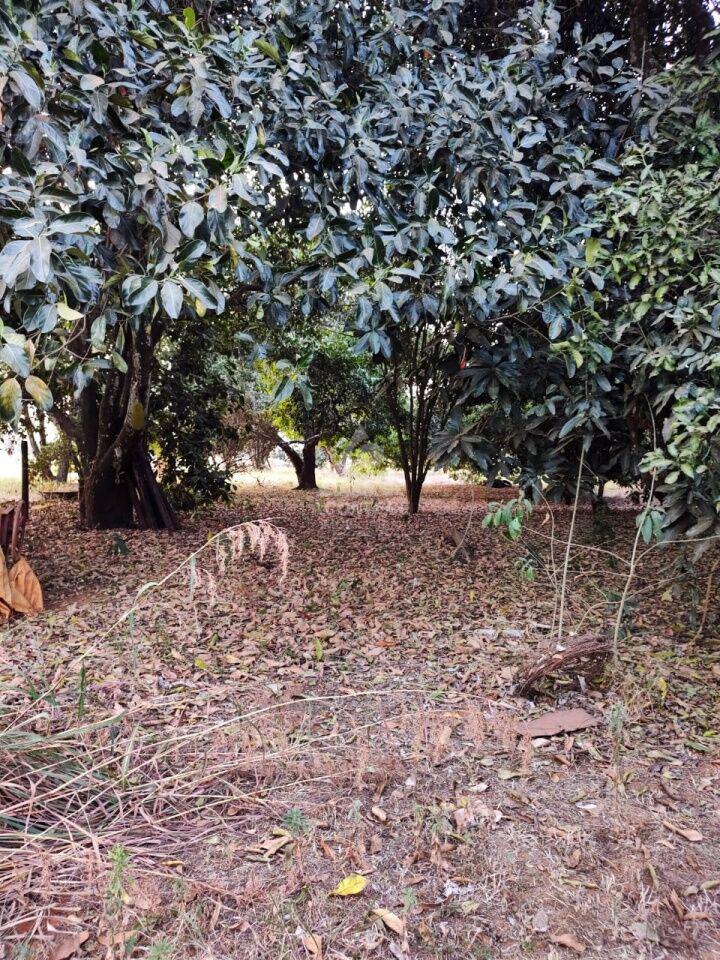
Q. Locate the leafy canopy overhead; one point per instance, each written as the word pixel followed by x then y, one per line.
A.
pixel 123 187
pixel 149 153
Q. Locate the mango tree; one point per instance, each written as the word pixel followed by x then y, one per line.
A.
pixel 124 187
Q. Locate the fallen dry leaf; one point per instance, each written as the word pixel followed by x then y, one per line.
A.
pixel 569 941
pixel 573 859
pixel 558 721
pixel 269 847
pixel 67 945
pixel 349 886
pixel 391 920
pixel 312 943
pixel 25 588
pixel 694 836
pixel 5 585
pixel 677 905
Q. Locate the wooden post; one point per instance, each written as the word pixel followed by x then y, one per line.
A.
pixel 25 495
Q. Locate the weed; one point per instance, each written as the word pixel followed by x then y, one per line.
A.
pixel 119 858
pixel 409 898
pixel 295 822
pixel 160 950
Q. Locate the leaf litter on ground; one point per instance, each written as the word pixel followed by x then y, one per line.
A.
pixel 217 717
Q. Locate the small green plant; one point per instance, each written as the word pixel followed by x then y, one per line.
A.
pixel 508 517
pixel 119 547
pixel 119 858
pixel 409 898
pixel 526 568
pixel 295 822
pixel 160 950
pixel 82 691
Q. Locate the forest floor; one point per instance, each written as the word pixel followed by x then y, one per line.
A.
pixel 194 778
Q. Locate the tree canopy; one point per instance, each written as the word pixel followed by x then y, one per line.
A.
pixel 491 219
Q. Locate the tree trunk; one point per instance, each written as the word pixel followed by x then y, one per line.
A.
pixel 64 462
pixel 414 492
pixel 306 476
pixel 598 497
pixel 107 495
pixel 123 492
pixel 639 34
pixel 117 484
pixel 303 463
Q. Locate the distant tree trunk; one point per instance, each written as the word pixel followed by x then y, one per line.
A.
pixel 412 401
pixel 64 461
pixel 304 463
pixel 598 497
pixel 306 478
pixel 337 466
pixel 41 465
pixel 639 34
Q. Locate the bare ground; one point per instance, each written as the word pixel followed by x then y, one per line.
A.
pixel 195 780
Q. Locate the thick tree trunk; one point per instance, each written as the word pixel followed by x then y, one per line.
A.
pixel 107 495
pixel 118 487
pixel 123 492
pixel 303 463
pixel 306 476
pixel 414 492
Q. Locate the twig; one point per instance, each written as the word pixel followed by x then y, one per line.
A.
pixel 706 600
pixel 561 613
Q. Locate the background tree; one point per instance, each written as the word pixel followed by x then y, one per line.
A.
pixel 478 226
pixel 199 383
pixel 658 32
pixel 119 184
pixel 320 392
pixel 629 375
pixel 663 258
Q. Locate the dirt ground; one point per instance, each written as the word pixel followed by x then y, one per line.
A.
pixel 192 772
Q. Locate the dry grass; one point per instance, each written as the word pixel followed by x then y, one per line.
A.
pixel 360 711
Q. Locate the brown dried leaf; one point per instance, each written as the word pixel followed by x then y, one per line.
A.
pixel 269 847
pixel 5 586
pixel 677 905
pixel 569 941
pixel 312 943
pixel 391 920
pixel 694 836
pixel 25 589
pixel 67 945
pixel 558 721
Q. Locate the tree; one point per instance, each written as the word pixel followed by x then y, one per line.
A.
pixel 199 383
pixel 658 32
pixel 490 165
pixel 662 221
pixel 321 392
pixel 625 386
pixel 124 191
